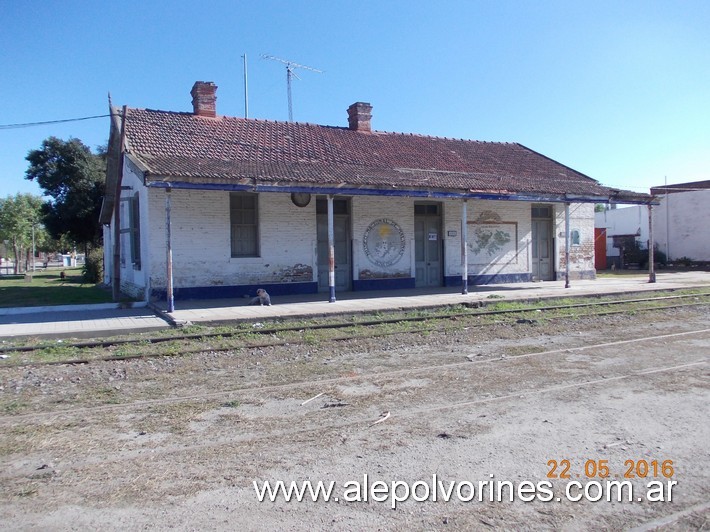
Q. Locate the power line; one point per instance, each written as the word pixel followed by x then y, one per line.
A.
pixel 32 124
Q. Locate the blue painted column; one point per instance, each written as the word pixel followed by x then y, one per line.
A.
pixel 169 254
pixel 567 245
pixel 464 247
pixel 331 250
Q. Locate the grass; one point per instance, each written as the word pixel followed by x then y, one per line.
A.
pixel 305 334
pixel 47 288
pixel 611 274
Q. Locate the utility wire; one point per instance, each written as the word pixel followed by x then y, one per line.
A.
pixel 32 124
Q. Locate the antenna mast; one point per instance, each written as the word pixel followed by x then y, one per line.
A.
pixel 290 65
pixel 246 89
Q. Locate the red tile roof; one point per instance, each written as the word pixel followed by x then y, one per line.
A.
pixel 186 147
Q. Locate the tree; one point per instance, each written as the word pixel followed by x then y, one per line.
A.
pixel 19 214
pixel 73 177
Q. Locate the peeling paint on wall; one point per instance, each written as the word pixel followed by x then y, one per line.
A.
pixel 295 274
pixel 369 274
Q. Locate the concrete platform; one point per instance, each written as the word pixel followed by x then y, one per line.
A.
pixel 99 323
pixel 82 323
pixel 314 305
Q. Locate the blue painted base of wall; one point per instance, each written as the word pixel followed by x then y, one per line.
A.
pixel 586 274
pixel 236 291
pixel 383 284
pixel 498 278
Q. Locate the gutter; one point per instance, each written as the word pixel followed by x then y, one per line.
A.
pixel 395 192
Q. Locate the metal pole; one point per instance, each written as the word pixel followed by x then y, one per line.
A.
pixel 651 258
pixel 464 248
pixel 331 250
pixel 566 245
pixel 246 89
pixel 169 257
pixel 288 89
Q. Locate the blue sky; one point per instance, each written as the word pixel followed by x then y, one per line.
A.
pixel 618 90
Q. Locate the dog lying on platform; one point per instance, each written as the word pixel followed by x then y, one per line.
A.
pixel 262 298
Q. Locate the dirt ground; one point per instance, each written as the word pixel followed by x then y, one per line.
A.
pixel 177 442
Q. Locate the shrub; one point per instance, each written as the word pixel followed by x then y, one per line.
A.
pixel 685 261
pixel 635 253
pixel 658 256
pixel 94 266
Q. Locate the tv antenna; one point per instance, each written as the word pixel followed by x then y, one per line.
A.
pixel 290 65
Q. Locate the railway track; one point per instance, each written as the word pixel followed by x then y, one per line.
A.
pixel 502 397
pixel 474 316
pixel 388 375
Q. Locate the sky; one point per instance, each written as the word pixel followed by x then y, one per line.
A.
pixel 617 90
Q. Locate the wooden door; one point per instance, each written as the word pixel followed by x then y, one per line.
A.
pixel 428 245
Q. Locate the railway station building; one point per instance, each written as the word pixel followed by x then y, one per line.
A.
pixel 200 205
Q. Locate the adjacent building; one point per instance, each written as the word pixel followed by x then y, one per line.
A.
pixel 680 220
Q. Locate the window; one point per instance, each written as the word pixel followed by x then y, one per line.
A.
pixel 424 209
pixel 130 237
pixel 539 211
pixel 574 237
pixel 244 220
pixel 340 206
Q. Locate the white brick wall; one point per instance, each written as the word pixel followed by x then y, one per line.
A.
pixel 201 238
pixel 133 278
pixel 200 227
pixel 582 256
pixel 508 211
pixel 367 209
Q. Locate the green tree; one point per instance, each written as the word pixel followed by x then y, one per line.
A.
pixel 73 177
pixel 19 215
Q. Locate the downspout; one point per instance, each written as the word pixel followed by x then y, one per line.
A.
pixel 169 254
pixel 116 281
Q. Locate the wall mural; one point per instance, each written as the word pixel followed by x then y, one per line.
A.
pixel 491 240
pixel 383 242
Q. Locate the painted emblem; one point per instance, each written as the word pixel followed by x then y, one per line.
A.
pixel 384 242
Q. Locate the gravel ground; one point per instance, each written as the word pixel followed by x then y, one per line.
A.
pixel 177 442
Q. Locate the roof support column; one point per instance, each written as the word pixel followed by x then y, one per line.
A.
pixel 331 250
pixel 169 254
pixel 651 258
pixel 464 247
pixel 567 236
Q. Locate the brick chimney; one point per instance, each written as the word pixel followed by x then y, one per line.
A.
pixel 359 116
pixel 204 98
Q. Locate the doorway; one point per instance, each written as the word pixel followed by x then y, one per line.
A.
pixel 341 234
pixel 427 244
pixel 542 264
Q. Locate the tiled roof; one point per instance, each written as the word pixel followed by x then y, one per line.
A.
pixel 185 147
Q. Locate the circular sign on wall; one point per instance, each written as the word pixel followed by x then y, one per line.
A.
pixel 384 242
